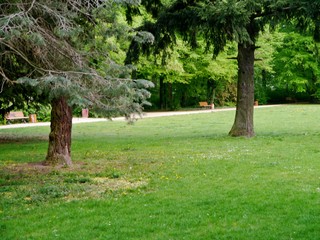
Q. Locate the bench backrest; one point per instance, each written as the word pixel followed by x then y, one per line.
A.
pixel 15 115
pixel 203 104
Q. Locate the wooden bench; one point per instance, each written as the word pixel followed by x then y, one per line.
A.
pixel 15 116
pixel 206 105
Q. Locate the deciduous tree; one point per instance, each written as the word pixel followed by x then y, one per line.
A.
pixel 296 64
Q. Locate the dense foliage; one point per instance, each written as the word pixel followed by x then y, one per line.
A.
pixel 212 25
pixel 188 76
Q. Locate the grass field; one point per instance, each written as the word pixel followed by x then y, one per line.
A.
pixel 178 177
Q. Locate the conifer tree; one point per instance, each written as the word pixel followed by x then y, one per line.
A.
pixel 218 22
pixel 50 45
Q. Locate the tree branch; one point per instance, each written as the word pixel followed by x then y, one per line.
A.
pixel 5 78
pixel 30 6
pixel 272 13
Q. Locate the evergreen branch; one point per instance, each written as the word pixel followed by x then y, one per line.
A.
pixel 5 79
pixel 31 6
pixel 43 70
pixel 23 56
pixel 2 86
pixel 274 12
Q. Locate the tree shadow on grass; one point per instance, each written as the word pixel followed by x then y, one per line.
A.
pixel 13 138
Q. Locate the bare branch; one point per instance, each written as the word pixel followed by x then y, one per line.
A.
pixel 5 79
pixel 31 6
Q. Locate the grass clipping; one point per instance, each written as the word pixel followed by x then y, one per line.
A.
pixel 35 183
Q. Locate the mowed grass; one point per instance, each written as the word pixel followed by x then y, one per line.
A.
pixel 178 177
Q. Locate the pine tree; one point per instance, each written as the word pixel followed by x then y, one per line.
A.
pixel 50 45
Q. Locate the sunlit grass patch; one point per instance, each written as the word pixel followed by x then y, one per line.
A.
pixel 176 177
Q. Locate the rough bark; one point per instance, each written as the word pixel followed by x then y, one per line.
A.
pixel 59 150
pixel 243 124
pixel 211 91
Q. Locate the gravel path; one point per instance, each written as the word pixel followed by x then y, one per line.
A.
pixel 145 115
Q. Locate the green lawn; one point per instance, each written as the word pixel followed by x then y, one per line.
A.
pixel 178 177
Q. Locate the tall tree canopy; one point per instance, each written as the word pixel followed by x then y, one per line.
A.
pixel 218 22
pixel 52 46
pixel 296 65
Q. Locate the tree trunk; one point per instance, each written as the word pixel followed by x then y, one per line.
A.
pixel 162 93
pixel 211 91
pixel 59 150
pixel 169 96
pixel 243 124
